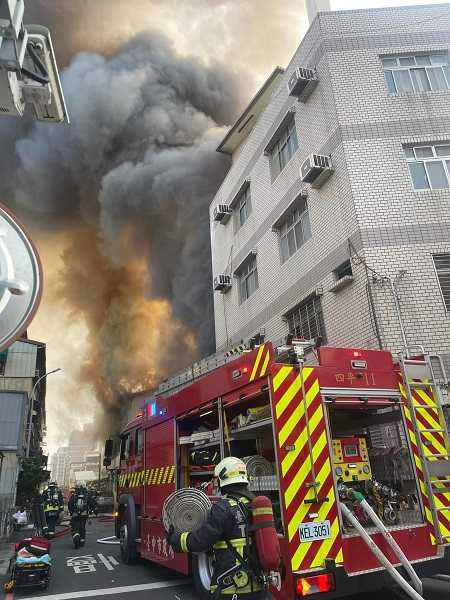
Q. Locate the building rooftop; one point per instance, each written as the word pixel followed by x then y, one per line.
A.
pixel 245 123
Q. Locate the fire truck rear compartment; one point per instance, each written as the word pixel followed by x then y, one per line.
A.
pixel 239 425
pixel 370 454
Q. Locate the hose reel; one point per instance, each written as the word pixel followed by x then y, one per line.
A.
pixel 186 510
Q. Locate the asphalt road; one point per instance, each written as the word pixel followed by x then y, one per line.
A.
pixel 96 571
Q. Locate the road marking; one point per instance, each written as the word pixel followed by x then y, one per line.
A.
pixel 113 561
pixel 105 561
pixel 109 540
pixel 114 591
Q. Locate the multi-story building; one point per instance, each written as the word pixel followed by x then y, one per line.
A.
pixel 354 248
pixel 22 415
pixel 59 466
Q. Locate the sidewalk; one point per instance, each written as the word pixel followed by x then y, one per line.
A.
pixel 6 551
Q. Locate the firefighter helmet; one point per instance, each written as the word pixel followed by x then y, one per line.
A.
pixel 231 470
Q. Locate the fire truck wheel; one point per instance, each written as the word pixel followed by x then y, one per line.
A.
pixel 202 570
pixel 128 529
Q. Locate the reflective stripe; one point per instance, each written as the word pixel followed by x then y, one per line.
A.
pixel 262 511
pixel 234 474
pixel 236 543
pixel 183 541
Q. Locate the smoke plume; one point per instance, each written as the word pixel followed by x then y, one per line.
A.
pixel 118 201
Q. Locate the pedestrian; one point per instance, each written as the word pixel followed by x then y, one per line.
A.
pixel 235 576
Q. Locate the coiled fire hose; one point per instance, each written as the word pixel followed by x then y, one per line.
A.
pixel 186 510
pixel 258 466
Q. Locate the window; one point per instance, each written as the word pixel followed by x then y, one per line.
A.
pixel 3 358
pixel 417 73
pixel 138 442
pixel 429 166
pixel 442 266
pixel 283 149
pixel 343 270
pixel 125 447
pixel 248 278
pixel 243 207
pixel 295 230
pixel 306 319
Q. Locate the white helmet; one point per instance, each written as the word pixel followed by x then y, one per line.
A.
pixel 231 470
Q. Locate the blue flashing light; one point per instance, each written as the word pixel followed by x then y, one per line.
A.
pixel 153 409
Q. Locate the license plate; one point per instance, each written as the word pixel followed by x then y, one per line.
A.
pixel 309 532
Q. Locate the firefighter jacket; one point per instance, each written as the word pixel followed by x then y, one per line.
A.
pixel 53 501
pixel 226 521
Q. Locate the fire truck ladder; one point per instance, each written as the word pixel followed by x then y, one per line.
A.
pixel 419 376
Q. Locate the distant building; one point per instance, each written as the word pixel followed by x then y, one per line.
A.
pixel 59 466
pixel 21 366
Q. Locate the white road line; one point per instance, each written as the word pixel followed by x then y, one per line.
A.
pixel 114 591
pixel 113 561
pixel 107 564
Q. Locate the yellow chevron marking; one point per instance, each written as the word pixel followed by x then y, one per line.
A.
pixel 294 486
pixel 281 376
pixel 154 476
pixel 161 473
pixel 265 363
pixel 303 509
pixel 339 557
pixel 428 401
pixel 293 420
pixel 300 442
pixel 147 475
pixel 166 474
pixel 432 419
pixel 257 361
pixel 325 547
pixel 303 547
pixel 290 393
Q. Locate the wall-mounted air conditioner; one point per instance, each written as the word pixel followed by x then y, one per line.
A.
pixel 222 283
pixel 302 83
pixel 316 169
pixel 222 213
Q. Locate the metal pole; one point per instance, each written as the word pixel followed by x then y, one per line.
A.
pixel 30 418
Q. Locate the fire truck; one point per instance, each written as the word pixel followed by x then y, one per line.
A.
pixel 317 429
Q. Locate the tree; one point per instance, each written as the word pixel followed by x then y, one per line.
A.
pixel 31 477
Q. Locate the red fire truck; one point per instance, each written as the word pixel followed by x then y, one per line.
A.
pixel 352 420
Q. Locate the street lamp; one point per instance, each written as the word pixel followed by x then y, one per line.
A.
pixel 30 419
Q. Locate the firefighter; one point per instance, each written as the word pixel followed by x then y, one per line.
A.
pixel 234 576
pixel 53 503
pixel 80 506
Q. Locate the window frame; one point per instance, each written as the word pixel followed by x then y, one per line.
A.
pixel 138 442
pixel 340 271
pixel 441 291
pixel 288 223
pixel 281 140
pixel 313 300
pixel 444 161
pixel 444 65
pixel 243 200
pixel 247 270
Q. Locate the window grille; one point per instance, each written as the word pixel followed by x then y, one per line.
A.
pixel 306 320
pixel 417 73
pixel 442 266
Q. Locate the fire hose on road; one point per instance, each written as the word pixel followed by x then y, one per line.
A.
pixel 413 592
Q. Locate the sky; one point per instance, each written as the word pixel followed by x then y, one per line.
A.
pixel 234 34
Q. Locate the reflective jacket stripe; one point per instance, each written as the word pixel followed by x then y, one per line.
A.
pixel 262 511
pixel 236 543
pixel 183 541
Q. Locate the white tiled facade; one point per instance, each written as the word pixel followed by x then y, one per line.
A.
pixel 367 210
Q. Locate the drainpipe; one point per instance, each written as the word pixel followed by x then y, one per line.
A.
pixel 392 283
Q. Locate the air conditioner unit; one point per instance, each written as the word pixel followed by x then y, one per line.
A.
pixel 222 283
pixel 302 83
pixel 222 213
pixel 316 169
